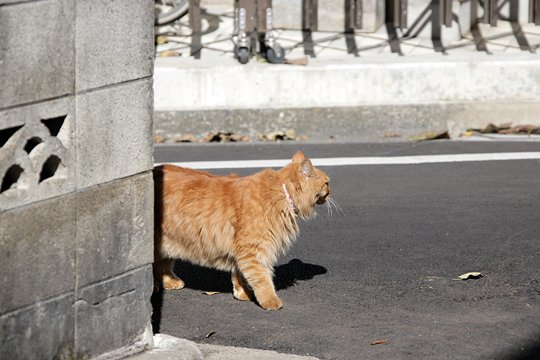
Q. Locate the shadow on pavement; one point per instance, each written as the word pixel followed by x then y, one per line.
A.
pixel 206 279
pixel 526 351
pixel 287 275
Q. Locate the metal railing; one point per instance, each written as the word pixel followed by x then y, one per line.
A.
pixel 396 17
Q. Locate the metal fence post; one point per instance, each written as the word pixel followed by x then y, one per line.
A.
pixel 397 11
pixel 195 24
pixel 491 12
pixel 534 11
pixel 445 12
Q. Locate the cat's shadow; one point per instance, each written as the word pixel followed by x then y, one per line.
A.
pixel 206 279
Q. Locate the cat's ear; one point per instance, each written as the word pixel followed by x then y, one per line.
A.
pixel 298 157
pixel 307 168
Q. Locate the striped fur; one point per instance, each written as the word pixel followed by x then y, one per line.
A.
pixel 236 224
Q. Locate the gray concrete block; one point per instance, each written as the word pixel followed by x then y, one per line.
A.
pixel 423 20
pixel 42 331
pixel 38 140
pixel 366 123
pixel 114 41
pixel 37 57
pixel 114 313
pixel 348 83
pixel 331 15
pixel 361 123
pixel 114 228
pixel 37 260
pixel 114 133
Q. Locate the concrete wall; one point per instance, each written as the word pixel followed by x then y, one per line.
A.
pixel 330 16
pixel 76 196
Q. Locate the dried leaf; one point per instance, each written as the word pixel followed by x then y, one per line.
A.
pixel 297 61
pixel 158 139
pixel 470 275
pixel 390 134
pixel 160 40
pixel 379 342
pixel 493 129
pixel 431 136
pixel 521 129
pixel 211 333
pixel 505 129
pixel 211 292
pixel 288 134
pixel 168 53
pixel 185 138
pixel 238 138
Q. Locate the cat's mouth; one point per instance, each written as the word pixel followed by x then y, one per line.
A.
pixel 322 199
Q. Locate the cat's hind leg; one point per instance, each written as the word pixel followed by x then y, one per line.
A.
pixel 163 272
pixel 240 290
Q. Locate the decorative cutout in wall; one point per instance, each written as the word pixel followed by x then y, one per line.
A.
pixel 6 134
pixel 54 124
pixel 32 143
pixel 49 168
pixel 35 154
pixel 11 177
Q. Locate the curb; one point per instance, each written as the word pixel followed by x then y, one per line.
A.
pixel 168 347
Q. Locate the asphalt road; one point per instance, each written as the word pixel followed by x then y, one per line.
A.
pixel 385 269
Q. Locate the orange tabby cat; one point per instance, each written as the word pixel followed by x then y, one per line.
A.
pixel 237 224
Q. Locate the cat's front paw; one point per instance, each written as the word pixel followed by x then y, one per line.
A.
pixel 272 303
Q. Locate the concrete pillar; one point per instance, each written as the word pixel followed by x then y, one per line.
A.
pixel 76 196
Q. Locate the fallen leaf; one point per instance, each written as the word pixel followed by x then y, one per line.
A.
pixel 288 134
pixel 160 40
pixel 493 129
pixel 390 134
pixel 297 61
pixel 211 292
pixel 185 138
pixel 211 333
pixel 158 139
pixel 239 138
pixel 470 275
pixel 521 129
pixel 431 136
pixel 506 129
pixel 379 342
pixel 168 53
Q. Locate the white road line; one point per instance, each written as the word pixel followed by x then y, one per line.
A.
pixel 376 160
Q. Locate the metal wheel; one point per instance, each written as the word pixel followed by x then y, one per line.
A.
pixel 275 55
pixel 167 11
pixel 243 55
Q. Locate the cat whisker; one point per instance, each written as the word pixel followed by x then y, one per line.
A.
pixel 329 209
pixel 335 204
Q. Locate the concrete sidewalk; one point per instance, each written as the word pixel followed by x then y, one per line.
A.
pixel 387 88
pixel 170 348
